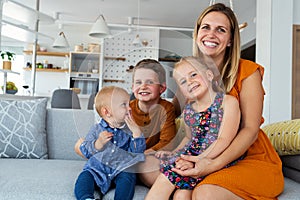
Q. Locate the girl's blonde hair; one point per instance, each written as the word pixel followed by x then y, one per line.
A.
pixel 229 70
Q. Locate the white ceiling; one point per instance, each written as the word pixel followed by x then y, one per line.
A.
pixel 165 13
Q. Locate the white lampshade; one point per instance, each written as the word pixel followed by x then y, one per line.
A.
pixel 61 41
pixel 99 28
pixel 137 41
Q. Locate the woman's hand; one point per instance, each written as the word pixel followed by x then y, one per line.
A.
pixel 202 167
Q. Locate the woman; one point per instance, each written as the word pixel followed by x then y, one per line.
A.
pixel 259 175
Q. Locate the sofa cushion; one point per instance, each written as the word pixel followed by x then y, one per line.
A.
pixel 292 161
pixel 291 173
pixel 64 128
pixel 38 179
pixel 45 179
pixel 284 136
pixel 23 128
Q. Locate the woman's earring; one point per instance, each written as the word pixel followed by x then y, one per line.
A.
pixel 229 44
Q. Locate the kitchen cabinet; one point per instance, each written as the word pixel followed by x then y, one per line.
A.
pixel 84 62
pixel 84 68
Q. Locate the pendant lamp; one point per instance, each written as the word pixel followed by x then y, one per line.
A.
pixel 99 28
pixel 61 41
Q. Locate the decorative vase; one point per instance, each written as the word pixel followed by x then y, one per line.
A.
pixel 6 65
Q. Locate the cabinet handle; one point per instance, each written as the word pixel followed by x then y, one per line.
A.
pixel 84 79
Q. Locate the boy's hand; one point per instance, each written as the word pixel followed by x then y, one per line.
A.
pixel 135 129
pixel 103 138
pixel 162 154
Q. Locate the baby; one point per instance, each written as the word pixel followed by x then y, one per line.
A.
pixel 113 145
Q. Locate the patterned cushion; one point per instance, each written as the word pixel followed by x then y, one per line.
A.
pixel 23 128
pixel 285 136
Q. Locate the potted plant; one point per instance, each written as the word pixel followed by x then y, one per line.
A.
pixel 7 57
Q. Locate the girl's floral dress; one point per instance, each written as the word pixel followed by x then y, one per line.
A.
pixel 204 128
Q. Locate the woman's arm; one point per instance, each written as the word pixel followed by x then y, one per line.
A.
pixel 251 104
pixel 228 129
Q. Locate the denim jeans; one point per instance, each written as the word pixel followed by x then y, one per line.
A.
pixel 123 182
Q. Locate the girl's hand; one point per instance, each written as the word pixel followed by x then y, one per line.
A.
pixel 135 129
pixel 201 167
pixel 103 138
pixel 182 164
pixel 161 154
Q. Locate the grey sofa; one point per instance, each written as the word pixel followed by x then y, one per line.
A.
pixel 53 175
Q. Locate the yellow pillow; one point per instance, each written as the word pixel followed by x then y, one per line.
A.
pixel 284 136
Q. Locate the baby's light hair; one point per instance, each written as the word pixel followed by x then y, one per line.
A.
pixel 104 96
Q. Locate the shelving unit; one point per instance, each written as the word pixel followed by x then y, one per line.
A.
pixel 19 23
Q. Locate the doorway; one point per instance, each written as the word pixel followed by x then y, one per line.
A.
pixel 296 73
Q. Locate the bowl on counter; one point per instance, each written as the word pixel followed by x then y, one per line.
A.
pixel 95 71
pixel 11 91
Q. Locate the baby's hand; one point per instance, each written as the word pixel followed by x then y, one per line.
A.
pixel 103 138
pixel 135 129
pixel 162 154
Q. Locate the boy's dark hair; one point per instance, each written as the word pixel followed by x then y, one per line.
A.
pixel 153 65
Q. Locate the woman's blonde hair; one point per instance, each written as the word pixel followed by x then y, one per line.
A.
pixel 229 70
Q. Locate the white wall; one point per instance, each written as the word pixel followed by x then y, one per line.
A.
pixel 274 52
pixel 296 13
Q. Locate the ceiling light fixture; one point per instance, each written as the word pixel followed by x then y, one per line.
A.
pixel 137 41
pixel 61 41
pixel 99 28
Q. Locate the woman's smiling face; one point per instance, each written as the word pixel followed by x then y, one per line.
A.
pixel 214 35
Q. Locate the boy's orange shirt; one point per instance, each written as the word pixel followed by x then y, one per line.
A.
pixel 158 126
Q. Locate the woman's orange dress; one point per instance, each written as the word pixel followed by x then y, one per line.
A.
pixel 259 175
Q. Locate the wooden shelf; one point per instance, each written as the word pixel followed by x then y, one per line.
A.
pixel 114 58
pixel 169 59
pixel 113 80
pixel 42 53
pixel 47 70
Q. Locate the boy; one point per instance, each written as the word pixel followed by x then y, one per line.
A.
pixel 111 146
pixel 154 115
